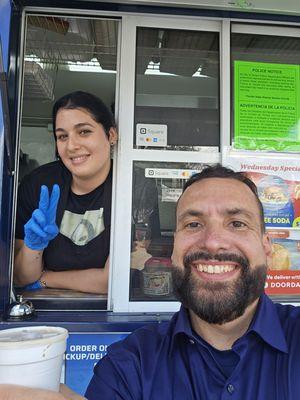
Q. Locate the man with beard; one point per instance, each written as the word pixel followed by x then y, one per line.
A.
pixel 229 340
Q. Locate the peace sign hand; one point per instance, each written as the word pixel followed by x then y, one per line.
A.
pixel 41 228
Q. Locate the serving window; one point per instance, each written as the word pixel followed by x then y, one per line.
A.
pixel 62 54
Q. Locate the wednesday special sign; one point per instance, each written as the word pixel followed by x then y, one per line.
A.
pixel 278 187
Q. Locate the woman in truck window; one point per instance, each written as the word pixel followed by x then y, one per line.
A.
pixel 64 207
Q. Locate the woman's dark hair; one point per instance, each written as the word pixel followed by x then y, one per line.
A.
pixel 218 171
pixel 89 102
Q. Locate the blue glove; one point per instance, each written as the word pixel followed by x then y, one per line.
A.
pixel 33 286
pixel 41 228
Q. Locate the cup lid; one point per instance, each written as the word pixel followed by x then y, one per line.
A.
pixel 31 335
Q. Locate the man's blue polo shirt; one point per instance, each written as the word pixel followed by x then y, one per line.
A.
pixel 168 361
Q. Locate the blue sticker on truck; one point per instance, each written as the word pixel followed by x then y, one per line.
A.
pixel 83 352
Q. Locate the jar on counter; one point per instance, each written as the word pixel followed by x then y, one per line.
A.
pixel 157 277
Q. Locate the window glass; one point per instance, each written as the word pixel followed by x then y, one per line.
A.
pixel 64 54
pixel 266 92
pixel 156 189
pixel 177 89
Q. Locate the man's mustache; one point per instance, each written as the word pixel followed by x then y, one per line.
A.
pixel 189 258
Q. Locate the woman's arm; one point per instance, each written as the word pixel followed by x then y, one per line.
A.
pixel 28 264
pixel 38 231
pixel 93 280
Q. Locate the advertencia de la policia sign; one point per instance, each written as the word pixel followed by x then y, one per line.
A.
pixel 266 106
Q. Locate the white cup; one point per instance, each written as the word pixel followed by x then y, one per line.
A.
pixel 32 356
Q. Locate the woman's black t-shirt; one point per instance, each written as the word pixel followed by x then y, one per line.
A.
pixel 83 220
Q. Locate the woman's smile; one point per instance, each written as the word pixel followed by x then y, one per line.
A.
pixel 77 160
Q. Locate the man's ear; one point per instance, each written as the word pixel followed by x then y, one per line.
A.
pixel 267 244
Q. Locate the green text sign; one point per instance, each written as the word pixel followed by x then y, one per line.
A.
pixel 266 106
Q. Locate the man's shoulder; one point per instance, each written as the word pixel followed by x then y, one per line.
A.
pixel 288 314
pixel 289 317
pixel 288 310
pixel 143 353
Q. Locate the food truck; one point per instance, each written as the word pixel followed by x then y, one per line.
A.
pixel 190 83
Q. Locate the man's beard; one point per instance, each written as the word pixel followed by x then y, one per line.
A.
pixel 217 302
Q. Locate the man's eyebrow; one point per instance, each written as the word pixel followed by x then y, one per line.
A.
pixel 189 213
pixel 239 211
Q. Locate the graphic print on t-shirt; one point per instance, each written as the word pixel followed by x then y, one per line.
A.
pixel 82 228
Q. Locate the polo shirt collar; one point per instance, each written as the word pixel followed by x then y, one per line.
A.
pixel 265 323
pixel 182 325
